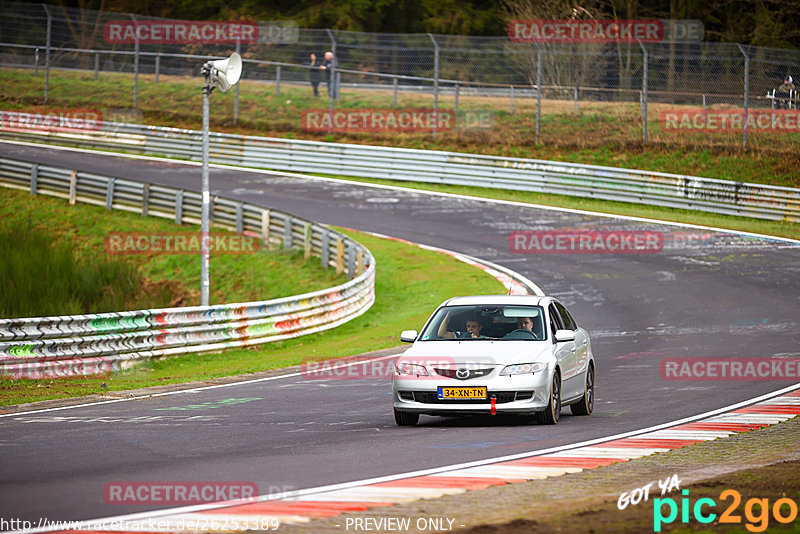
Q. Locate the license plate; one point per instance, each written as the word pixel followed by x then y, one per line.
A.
pixel 462 393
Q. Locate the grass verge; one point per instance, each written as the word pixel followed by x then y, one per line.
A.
pixel 410 283
pixel 600 133
pixel 166 279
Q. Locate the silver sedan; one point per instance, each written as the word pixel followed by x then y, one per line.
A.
pixel 506 354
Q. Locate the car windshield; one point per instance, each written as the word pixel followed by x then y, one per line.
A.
pixel 510 322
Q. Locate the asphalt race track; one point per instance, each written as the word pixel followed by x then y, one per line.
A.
pixel 705 295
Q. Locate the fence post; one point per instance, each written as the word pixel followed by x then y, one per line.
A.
pixel 644 94
pixel 435 84
pixel 135 62
pixel 278 80
pixel 746 91
pixel 538 90
pixel 394 99
pixel 704 107
pixel 36 62
pixel 455 104
pixel 575 99
pixel 158 66
pixel 511 103
pixel 47 54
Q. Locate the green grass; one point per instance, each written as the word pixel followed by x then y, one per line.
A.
pixel 72 286
pixel 165 280
pixel 601 133
pixel 410 283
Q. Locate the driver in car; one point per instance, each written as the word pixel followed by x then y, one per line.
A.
pixel 473 325
pixel 525 323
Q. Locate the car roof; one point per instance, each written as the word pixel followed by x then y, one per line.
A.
pixel 482 300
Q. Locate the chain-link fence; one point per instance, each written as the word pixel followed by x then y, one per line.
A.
pixel 670 92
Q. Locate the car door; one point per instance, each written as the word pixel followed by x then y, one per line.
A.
pixel 581 338
pixel 564 353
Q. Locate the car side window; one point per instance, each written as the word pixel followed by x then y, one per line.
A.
pixel 569 322
pixel 555 320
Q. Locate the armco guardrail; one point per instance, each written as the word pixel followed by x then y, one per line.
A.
pixel 89 344
pixel 607 183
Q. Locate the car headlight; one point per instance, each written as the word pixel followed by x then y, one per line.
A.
pixel 523 369
pixel 410 369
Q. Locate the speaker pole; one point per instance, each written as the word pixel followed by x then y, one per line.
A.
pixel 206 201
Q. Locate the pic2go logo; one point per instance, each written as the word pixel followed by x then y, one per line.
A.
pixel 756 511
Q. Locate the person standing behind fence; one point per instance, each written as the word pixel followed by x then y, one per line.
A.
pixel 330 64
pixel 787 92
pixel 314 74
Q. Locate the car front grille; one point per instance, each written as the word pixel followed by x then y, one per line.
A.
pixel 464 373
pixel 430 397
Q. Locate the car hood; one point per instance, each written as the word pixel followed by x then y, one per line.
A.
pixel 477 352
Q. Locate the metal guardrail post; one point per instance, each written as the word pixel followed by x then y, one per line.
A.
pixel 307 241
pixel 110 193
pixel 287 232
pixel 351 261
pixel 34 178
pixel 47 54
pixel 325 253
pixel 73 188
pixel 145 199
pixel 746 92
pixel 239 217
pixel 339 256
pixel 265 216
pixel 644 93
pixel 135 62
pixel 179 206
pixel 435 85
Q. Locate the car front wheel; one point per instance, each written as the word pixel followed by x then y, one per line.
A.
pixel 405 418
pixel 553 411
pixel 586 404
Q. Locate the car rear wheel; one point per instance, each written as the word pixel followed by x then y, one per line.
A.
pixel 405 418
pixel 586 404
pixel 551 414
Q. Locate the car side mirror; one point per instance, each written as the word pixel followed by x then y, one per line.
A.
pixel 408 336
pixel 564 335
